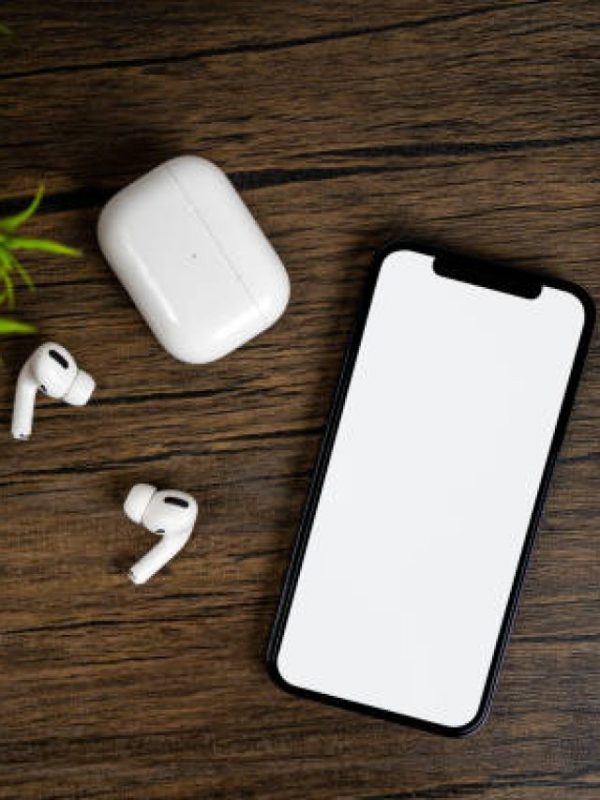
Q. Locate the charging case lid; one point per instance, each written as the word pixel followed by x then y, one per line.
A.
pixel 193 259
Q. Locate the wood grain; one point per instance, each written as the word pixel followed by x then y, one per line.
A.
pixel 472 125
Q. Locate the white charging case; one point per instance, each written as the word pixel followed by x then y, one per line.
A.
pixel 193 259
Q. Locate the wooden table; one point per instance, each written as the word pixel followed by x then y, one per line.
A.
pixel 474 125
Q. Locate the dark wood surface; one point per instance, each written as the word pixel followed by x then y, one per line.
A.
pixel 473 125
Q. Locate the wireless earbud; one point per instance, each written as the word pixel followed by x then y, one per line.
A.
pixel 52 369
pixel 170 514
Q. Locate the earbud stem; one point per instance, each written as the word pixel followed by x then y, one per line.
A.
pixel 158 557
pixel 22 420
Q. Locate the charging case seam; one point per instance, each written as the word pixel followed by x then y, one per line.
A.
pixel 216 242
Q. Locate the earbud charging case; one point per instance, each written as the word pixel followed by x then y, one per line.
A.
pixel 193 259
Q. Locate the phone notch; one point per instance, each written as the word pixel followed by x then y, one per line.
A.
pixel 488 276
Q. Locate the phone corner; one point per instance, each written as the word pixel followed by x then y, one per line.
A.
pixel 587 304
pixel 393 246
pixel 274 672
pixel 466 729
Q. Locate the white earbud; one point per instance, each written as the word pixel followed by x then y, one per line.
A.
pixel 52 369
pixel 170 514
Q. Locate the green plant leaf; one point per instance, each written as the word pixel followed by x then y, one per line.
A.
pixel 10 264
pixel 46 245
pixel 5 260
pixel 10 224
pixel 6 31
pixel 8 325
pixel 25 276
pixel 8 295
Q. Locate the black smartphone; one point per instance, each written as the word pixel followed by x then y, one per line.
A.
pixel 413 544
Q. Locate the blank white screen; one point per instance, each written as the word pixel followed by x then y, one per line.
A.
pixel 430 488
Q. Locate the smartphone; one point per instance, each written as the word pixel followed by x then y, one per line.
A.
pixel 414 540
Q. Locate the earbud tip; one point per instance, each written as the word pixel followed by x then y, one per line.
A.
pixel 81 390
pixel 135 577
pixel 137 501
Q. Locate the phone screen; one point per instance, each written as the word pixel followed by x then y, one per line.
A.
pixel 429 492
